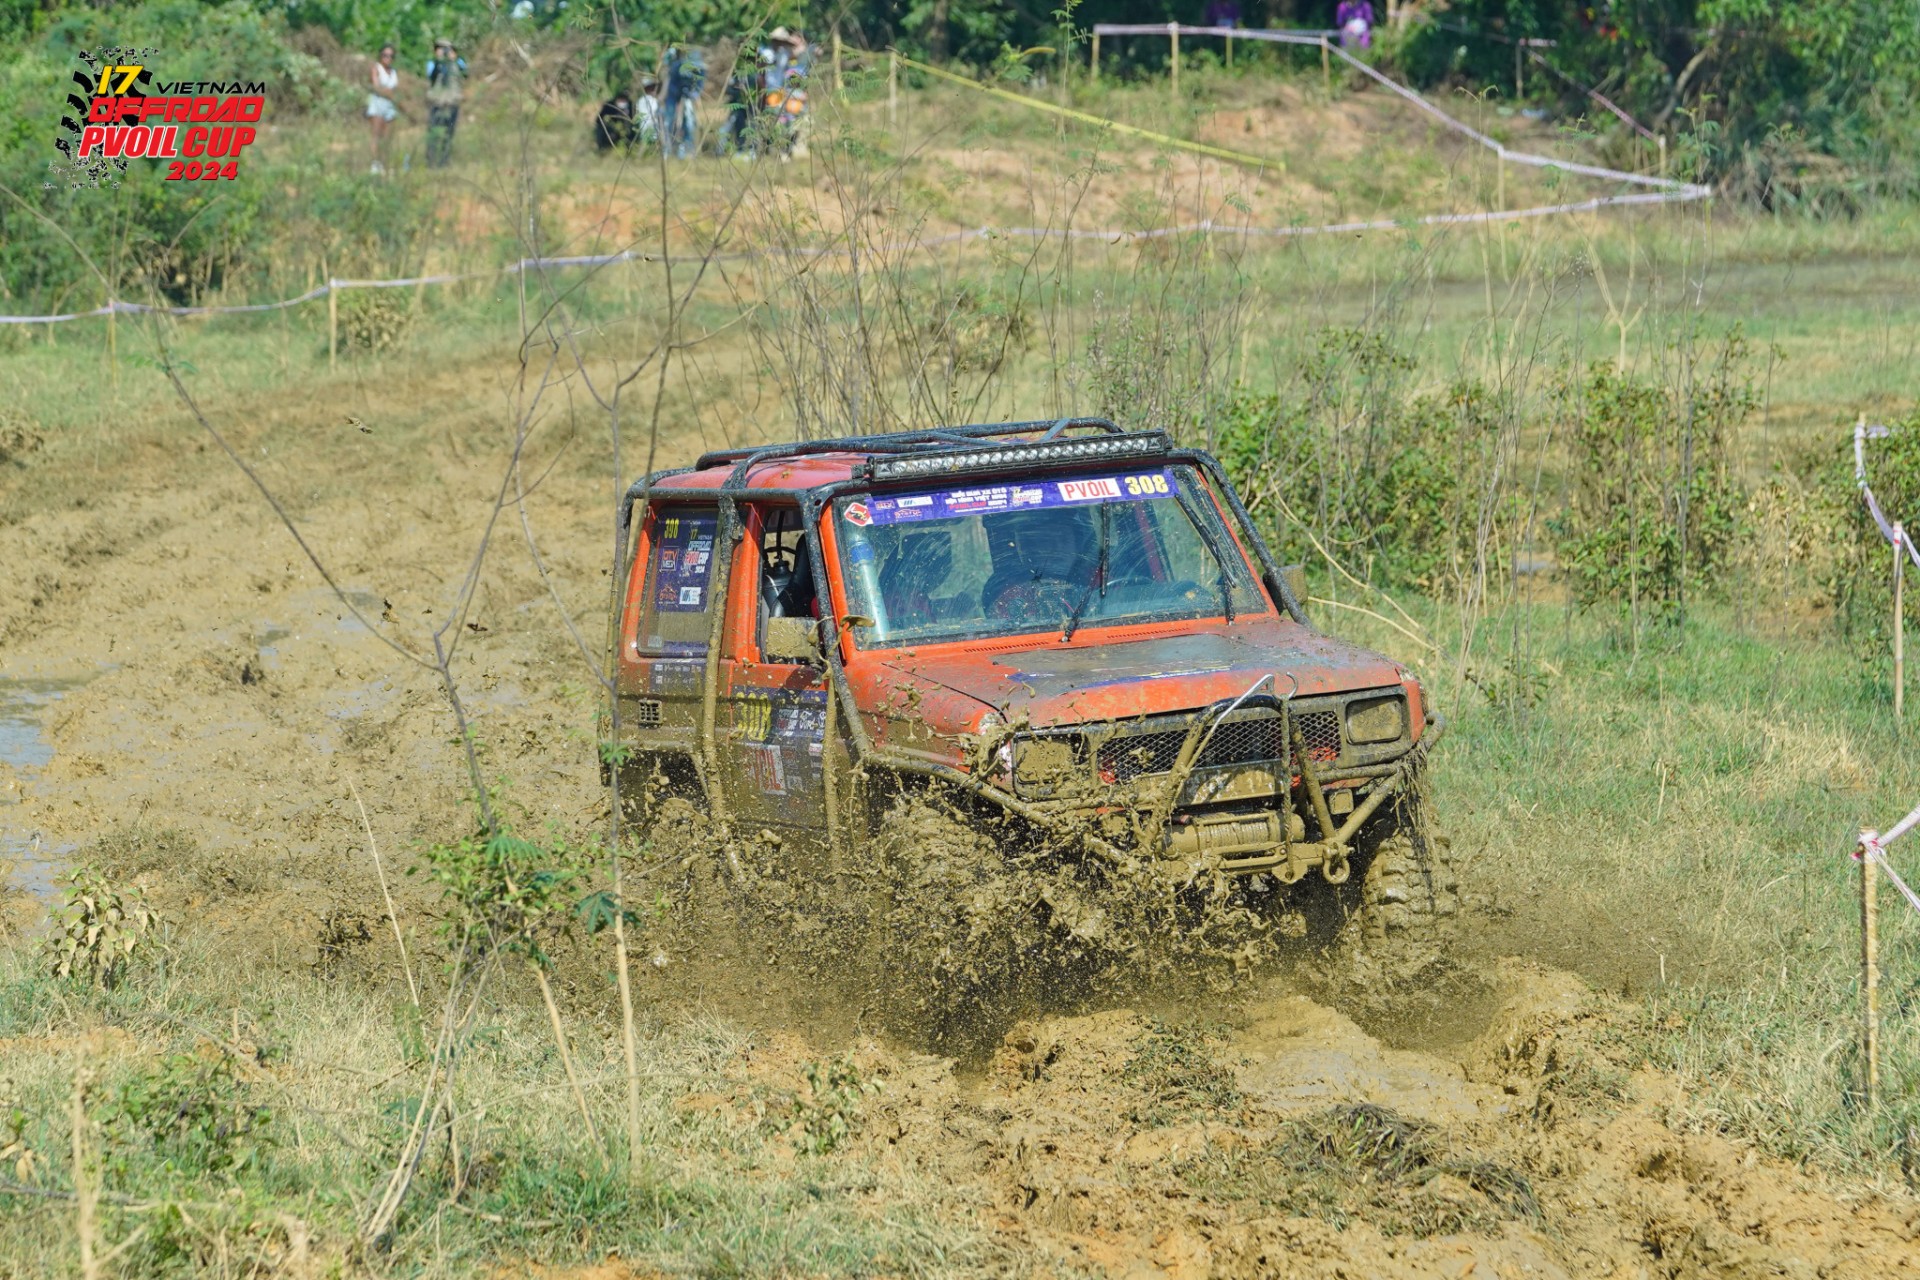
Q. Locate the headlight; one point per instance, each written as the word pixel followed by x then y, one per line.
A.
pixel 1376 719
pixel 1044 765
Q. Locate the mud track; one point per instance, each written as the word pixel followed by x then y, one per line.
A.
pixel 214 700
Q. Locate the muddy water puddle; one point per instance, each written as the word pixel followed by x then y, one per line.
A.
pixel 28 861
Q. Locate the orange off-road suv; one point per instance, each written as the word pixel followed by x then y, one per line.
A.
pixel 1064 626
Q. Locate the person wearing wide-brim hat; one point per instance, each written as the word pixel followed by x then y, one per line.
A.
pixel 446 86
pixel 785 55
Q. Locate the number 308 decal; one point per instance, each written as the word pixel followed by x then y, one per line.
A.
pixel 1140 486
pixel 195 171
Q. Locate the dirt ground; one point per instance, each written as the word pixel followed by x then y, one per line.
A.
pixel 197 684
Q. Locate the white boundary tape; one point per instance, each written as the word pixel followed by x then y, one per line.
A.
pixel 1111 236
pixel 1873 844
pixel 1862 433
pixel 1873 850
pixel 1667 191
pixel 1682 190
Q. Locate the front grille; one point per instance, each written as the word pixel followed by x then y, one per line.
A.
pixel 1320 734
pixel 1236 742
pixel 646 713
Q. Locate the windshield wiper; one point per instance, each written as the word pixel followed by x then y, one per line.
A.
pixel 1224 581
pixel 1099 576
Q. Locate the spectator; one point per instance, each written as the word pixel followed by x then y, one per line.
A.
pixel 647 113
pixel 1355 20
pixel 384 83
pixel 686 76
pixel 786 53
pixel 614 125
pixel 1223 13
pixel 743 100
pixel 446 84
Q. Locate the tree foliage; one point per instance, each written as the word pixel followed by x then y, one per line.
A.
pixel 1759 91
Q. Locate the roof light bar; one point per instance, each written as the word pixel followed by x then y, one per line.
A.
pixel 1140 444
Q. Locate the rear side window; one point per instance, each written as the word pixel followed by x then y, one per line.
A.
pixel 675 617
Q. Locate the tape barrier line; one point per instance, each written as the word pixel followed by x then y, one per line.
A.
pixel 1317 40
pixel 1862 433
pixel 1873 851
pixel 1108 235
pixel 1222 153
pixel 1873 844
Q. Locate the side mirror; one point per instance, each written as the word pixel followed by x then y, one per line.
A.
pixel 1294 578
pixel 792 640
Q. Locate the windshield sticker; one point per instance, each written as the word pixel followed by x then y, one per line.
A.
pixel 996 498
pixel 685 556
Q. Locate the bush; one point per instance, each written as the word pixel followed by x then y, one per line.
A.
pixel 103 930
pixel 1398 486
pixel 1654 508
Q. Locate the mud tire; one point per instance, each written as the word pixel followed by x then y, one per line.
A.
pixel 1409 888
pixel 948 929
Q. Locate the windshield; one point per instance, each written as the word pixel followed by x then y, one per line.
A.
pixel 1014 558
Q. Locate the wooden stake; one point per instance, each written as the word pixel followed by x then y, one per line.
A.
pixel 1173 33
pixel 1870 963
pixel 84 1187
pixel 1662 140
pixel 333 324
pixel 1899 622
pixel 893 89
pixel 836 60
pixel 1229 53
pixel 1095 62
pixel 1326 68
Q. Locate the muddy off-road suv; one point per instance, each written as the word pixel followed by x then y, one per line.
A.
pixel 1072 635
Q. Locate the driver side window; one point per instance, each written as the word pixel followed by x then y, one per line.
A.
pixel 787 588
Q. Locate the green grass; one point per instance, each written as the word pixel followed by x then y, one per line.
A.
pixel 325 1074
pixel 1674 823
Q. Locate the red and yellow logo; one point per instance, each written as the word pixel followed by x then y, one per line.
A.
pixel 201 128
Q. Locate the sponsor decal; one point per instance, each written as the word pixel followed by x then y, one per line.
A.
pixel 119 110
pixel 681 560
pixel 996 498
pixel 766 766
pixel 1104 489
pixel 858 515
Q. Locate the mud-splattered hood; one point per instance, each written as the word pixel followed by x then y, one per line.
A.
pixel 1055 684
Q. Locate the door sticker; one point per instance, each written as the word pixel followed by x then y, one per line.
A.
pixel 682 562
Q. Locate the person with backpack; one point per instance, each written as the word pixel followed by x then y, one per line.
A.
pixel 446 85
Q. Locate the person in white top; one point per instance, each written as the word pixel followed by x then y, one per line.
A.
pixel 384 82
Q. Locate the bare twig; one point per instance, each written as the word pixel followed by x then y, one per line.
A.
pixel 393 915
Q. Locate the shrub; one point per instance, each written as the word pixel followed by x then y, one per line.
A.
pixel 192 1110
pixel 1654 507
pixel 102 931
pixel 1397 485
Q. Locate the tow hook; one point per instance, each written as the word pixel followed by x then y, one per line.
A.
pixel 1337 869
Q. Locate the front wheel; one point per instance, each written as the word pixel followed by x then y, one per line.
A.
pixel 1409 887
